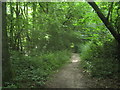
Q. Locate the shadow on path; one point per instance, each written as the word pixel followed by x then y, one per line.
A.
pixel 70 76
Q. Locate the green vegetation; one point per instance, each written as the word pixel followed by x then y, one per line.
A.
pixel 101 60
pixel 39 37
pixel 33 71
pixel 100 56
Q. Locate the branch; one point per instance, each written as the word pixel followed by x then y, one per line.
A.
pixel 42 8
pixel 110 9
pixel 105 21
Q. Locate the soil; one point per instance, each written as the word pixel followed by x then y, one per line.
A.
pixel 72 76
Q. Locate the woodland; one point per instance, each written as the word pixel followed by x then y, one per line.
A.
pixel 39 37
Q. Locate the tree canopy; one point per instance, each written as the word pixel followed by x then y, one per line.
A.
pixel 39 37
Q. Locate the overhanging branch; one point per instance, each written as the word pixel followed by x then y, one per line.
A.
pixel 105 21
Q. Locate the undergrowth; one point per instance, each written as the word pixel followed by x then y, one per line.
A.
pixel 101 60
pixel 33 71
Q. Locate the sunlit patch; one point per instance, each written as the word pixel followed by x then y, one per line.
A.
pixel 36 47
pixel 75 60
pixel 26 54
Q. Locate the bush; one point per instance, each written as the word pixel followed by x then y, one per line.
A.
pixel 33 71
pixel 100 60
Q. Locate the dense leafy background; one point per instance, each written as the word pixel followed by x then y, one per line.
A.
pixel 41 37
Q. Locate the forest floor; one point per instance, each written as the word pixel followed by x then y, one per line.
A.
pixel 72 76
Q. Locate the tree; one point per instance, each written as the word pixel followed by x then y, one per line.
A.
pixel 6 67
pixel 105 21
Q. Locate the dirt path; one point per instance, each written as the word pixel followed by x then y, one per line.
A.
pixel 70 76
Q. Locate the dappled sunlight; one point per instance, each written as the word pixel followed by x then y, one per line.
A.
pixel 40 39
pixel 75 60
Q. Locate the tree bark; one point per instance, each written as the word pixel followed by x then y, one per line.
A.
pixel 11 27
pixel 6 65
pixel 105 21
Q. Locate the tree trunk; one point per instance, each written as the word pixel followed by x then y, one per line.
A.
pixel 34 15
pixel 105 21
pixel 1 44
pixel 6 65
pixel 11 27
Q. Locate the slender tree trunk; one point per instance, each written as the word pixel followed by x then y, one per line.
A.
pixel 6 65
pixel 18 27
pixel 34 14
pixel 0 44
pixel 47 8
pixel 11 27
pixel 105 21
pixel 109 11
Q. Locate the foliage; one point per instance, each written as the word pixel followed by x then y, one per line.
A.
pixel 41 35
pixel 101 60
pixel 33 71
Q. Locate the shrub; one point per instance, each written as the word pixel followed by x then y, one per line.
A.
pixel 100 60
pixel 33 71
